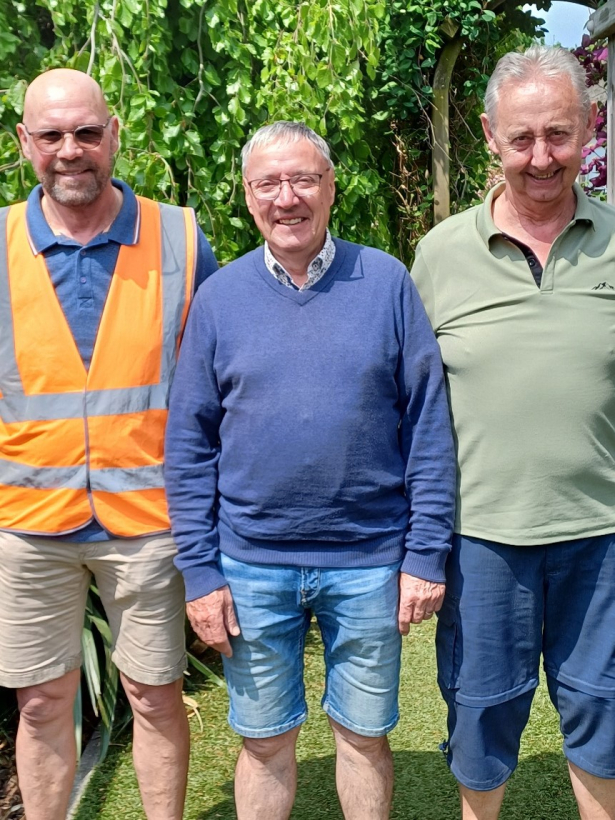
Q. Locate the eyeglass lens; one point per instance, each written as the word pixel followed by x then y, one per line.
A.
pixel 85 136
pixel 302 185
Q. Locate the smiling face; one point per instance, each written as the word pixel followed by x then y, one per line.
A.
pixel 63 100
pixel 539 133
pixel 293 226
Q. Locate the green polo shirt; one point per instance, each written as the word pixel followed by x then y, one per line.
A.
pixel 530 371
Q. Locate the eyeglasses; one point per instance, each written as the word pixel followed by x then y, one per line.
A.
pixel 300 184
pixel 50 140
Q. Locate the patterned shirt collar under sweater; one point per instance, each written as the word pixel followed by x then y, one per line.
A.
pixel 316 269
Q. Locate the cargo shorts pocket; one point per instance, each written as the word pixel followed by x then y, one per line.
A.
pixel 448 644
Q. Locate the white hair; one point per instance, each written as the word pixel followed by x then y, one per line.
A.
pixel 537 61
pixel 284 132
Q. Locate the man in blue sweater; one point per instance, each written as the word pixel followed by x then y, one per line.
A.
pixel 309 470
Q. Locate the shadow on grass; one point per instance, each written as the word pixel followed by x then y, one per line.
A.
pixel 425 790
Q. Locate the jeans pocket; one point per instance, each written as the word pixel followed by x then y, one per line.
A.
pixel 448 643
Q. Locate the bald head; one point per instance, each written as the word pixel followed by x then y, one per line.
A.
pixel 63 88
pixel 58 105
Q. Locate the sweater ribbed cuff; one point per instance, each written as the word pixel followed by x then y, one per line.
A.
pixel 200 581
pixel 427 563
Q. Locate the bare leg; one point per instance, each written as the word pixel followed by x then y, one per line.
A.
pixel 266 777
pixel 364 774
pixel 595 795
pixel 481 805
pixel 161 747
pixel 45 748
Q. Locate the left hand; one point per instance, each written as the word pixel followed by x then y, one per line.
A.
pixel 418 600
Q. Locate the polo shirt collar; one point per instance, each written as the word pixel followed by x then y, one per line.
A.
pixel 124 230
pixel 487 228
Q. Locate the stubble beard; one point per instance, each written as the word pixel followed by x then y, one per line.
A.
pixel 74 195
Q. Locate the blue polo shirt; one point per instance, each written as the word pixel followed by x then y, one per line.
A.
pixel 81 276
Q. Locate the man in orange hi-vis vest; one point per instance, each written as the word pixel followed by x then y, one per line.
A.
pixel 95 285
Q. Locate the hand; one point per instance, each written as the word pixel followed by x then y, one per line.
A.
pixel 418 600
pixel 213 619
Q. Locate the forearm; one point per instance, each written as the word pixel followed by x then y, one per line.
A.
pixel 428 445
pixel 191 459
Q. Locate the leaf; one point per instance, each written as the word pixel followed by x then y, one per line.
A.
pixel 211 75
pixel 194 708
pixel 205 670
pixel 15 95
pixel 90 667
pixel 78 721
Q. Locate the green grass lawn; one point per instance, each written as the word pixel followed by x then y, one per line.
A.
pixel 424 788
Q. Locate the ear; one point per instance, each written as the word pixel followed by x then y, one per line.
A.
pixel 489 134
pixel 114 127
pixel 331 186
pixel 249 197
pixel 590 125
pixel 23 139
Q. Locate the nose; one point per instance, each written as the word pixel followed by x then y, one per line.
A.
pixel 541 153
pixel 69 148
pixel 286 197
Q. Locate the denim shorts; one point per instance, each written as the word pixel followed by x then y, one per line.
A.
pixel 504 607
pixel 356 610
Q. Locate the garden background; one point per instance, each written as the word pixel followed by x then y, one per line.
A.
pixel 190 80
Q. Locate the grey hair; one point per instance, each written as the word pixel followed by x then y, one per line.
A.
pixel 284 132
pixel 537 61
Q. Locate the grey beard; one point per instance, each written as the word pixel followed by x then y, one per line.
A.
pixel 85 194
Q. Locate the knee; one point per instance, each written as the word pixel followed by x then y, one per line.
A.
pixel 350 742
pixel 265 749
pixel 154 703
pixel 48 702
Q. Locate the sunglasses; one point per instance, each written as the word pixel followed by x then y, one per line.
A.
pixel 86 137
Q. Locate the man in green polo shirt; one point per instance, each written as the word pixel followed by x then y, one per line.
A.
pixel 521 294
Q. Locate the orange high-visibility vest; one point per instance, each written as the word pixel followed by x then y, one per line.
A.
pixel 79 444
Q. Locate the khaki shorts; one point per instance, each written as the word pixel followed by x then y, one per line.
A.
pixel 43 589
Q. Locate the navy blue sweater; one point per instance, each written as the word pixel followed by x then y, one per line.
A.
pixel 310 427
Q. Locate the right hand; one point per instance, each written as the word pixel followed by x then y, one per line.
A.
pixel 213 619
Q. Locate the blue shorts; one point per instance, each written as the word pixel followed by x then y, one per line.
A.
pixel 356 610
pixel 504 606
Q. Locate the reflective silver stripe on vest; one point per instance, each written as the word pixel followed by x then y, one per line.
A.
pixel 53 406
pixel 42 478
pixel 174 257
pixel 123 480
pixel 10 380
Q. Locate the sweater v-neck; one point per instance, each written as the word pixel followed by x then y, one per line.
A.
pixel 301 297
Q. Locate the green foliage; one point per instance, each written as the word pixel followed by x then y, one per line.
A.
pixel 99 672
pixel 190 80
pixel 416 33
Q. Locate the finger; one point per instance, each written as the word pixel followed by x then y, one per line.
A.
pixel 404 620
pixel 210 631
pixel 232 627
pixel 224 647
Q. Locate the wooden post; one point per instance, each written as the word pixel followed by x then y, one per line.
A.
pixel 440 162
pixel 602 24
